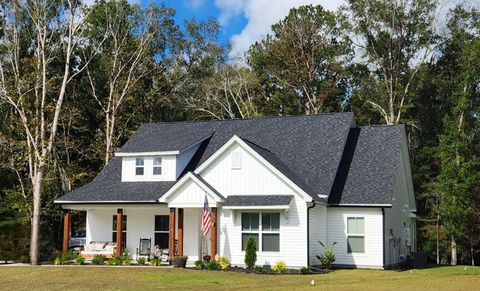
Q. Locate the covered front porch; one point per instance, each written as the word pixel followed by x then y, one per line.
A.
pixel 172 231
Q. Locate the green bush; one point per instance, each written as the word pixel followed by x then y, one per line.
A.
pixel 112 262
pixel 99 259
pixel 224 262
pixel 57 261
pixel 328 256
pixel 70 256
pixel 141 260
pixel 258 269
pixel 200 265
pixel 305 270
pixel 251 253
pixel 79 260
pixel 280 268
pixel 155 261
pixel 212 265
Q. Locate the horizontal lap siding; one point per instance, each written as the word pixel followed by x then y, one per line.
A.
pixel 318 232
pixel 337 232
pixel 395 218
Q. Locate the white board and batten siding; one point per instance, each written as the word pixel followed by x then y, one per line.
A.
pixel 168 169
pixel 250 177
pixel 337 232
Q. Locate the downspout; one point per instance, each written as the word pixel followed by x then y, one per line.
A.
pixel 308 232
pixel 383 236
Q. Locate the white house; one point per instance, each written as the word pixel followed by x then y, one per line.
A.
pixel 287 181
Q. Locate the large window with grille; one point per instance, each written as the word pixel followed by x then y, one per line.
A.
pixel 264 227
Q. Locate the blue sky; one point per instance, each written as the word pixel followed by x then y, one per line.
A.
pixel 243 21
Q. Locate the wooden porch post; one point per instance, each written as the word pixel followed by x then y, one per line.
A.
pixel 66 230
pixel 171 233
pixel 180 231
pixel 213 234
pixel 119 232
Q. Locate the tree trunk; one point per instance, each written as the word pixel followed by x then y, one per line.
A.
pixel 454 251
pixel 438 241
pixel 35 231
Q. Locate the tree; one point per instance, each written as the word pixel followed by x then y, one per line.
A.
pixel 457 152
pixel 135 46
pixel 301 64
pixel 251 252
pixel 39 37
pixel 394 39
pixel 231 92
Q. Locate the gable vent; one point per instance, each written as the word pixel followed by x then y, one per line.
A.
pixel 236 159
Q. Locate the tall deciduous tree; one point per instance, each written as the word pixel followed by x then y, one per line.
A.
pixel 37 36
pixel 394 38
pixel 301 64
pixel 136 42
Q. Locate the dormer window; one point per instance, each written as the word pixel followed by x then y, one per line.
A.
pixel 139 166
pixel 157 166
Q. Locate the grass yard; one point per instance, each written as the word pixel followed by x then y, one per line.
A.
pixel 131 278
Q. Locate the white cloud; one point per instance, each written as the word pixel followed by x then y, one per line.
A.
pixel 260 15
pixel 195 4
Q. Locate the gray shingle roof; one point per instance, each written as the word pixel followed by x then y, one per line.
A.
pixel 369 166
pixel 108 187
pixel 306 149
pixel 258 200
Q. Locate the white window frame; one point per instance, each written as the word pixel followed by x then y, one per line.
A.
pixel 140 166
pixel 357 234
pixel 260 231
pixel 157 166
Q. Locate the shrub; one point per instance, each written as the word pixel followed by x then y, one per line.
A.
pixel 123 259
pixel 328 256
pixel 99 259
pixel 70 256
pixel 251 253
pixel 258 269
pixel 57 261
pixel 280 268
pixel 141 260
pixel 224 262
pixel 112 262
pixel 305 270
pixel 79 260
pixel 212 265
pixel 155 261
pixel 200 265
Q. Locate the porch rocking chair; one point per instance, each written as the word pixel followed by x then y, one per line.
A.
pixel 144 248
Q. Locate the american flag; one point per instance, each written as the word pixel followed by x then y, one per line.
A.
pixel 206 218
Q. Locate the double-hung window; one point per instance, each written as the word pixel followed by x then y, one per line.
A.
pixel 355 234
pixel 161 231
pixel 157 166
pixel 264 228
pixel 139 166
pixel 124 230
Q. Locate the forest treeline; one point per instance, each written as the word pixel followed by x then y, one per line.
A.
pixel 77 80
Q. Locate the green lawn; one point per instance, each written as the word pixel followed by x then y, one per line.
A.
pixel 128 278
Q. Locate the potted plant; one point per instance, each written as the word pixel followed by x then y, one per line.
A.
pixel 179 261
